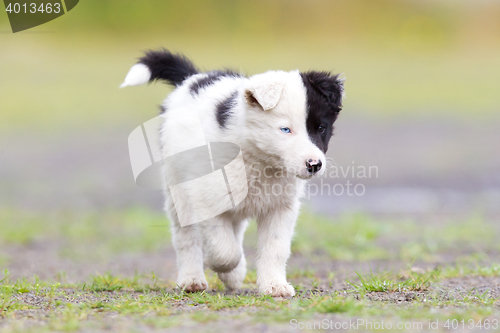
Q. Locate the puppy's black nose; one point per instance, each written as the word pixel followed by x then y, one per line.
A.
pixel 313 166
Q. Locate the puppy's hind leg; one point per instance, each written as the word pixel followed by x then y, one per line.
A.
pixel 222 251
pixel 233 279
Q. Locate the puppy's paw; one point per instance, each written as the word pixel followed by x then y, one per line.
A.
pixel 193 284
pixel 278 289
pixel 234 279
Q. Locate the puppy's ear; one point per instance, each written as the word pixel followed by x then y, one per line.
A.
pixel 330 86
pixel 265 94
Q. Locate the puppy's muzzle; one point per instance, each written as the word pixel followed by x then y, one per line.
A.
pixel 313 166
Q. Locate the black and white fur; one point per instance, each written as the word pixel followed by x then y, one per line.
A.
pixel 282 121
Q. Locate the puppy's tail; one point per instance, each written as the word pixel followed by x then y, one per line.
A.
pixel 160 65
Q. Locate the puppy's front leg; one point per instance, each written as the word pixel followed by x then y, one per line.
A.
pixel 275 231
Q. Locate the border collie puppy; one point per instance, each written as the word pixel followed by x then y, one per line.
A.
pixel 281 121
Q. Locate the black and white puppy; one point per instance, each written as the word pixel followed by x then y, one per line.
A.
pixel 282 122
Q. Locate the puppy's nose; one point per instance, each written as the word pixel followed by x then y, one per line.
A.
pixel 313 166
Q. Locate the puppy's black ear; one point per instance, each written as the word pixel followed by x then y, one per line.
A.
pixel 329 86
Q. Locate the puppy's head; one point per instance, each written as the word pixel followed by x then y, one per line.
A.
pixel 290 118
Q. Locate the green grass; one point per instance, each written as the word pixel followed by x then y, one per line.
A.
pixel 87 235
pixel 350 237
pixel 108 282
pixel 408 280
pixel 361 237
pixel 72 307
pixel 461 270
pixel 383 283
pixel 353 237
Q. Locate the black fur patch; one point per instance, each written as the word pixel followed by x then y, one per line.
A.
pixel 164 65
pixel 162 109
pixel 210 79
pixel 324 102
pixel 223 109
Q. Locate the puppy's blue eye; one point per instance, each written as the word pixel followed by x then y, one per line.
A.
pixel 285 130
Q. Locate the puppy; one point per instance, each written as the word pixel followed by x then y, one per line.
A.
pixel 281 121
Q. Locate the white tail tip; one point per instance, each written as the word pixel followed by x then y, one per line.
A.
pixel 137 75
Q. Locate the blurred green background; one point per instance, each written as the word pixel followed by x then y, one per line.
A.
pixel 400 58
pixel 422 92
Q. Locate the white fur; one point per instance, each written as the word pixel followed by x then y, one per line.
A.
pixel 217 242
pixel 137 75
pixel 268 93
